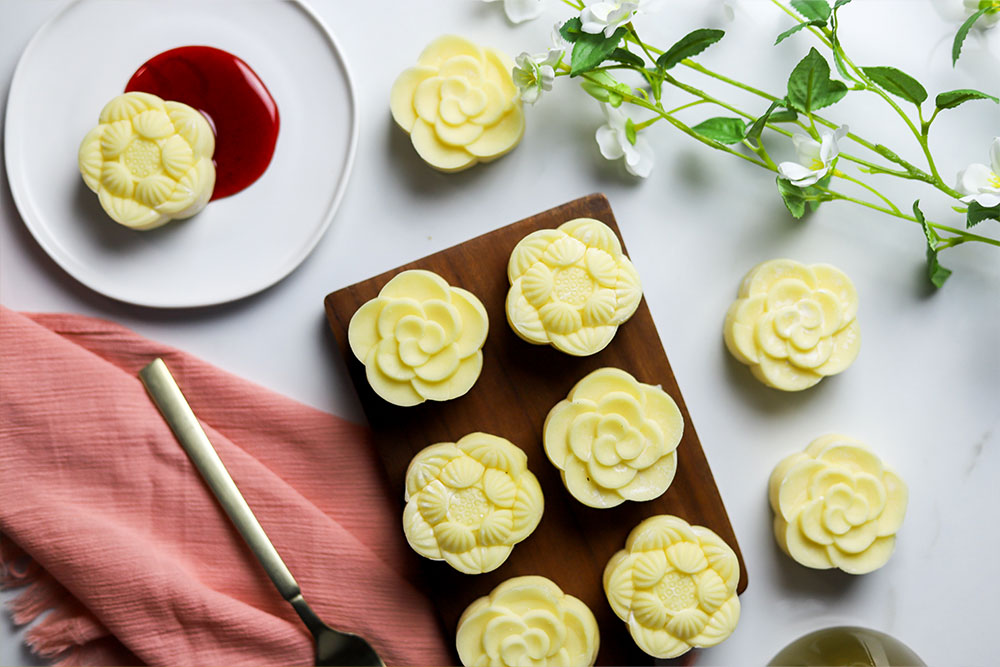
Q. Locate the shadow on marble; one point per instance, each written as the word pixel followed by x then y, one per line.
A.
pixel 419 178
pixel 805 582
pixel 764 398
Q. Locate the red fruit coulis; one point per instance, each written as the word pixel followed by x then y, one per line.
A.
pixel 236 102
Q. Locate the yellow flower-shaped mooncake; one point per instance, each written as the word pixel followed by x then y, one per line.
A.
pixel 420 339
pixel 459 104
pixel 149 161
pixel 468 503
pixel 571 287
pixel 794 324
pixel 675 586
pixel 614 439
pixel 836 505
pixel 527 621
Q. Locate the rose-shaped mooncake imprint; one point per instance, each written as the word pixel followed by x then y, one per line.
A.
pixel 614 439
pixel 420 339
pixel 571 287
pixel 836 505
pixel 675 586
pixel 527 621
pixel 468 503
pixel 149 161
pixel 794 324
pixel 459 104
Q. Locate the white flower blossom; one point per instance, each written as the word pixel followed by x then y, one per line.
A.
pixel 990 18
pixel 519 11
pixel 815 157
pixel 981 184
pixel 558 41
pixel 613 140
pixel 535 73
pixel 608 16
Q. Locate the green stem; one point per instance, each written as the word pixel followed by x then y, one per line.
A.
pixel 687 106
pixel 840 174
pixel 639 102
pixel 698 67
pixel 966 236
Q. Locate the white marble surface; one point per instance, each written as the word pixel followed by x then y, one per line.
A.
pixel 923 391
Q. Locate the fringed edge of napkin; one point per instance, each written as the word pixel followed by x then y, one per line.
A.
pixel 63 631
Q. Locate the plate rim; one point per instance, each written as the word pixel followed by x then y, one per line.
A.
pixel 48 242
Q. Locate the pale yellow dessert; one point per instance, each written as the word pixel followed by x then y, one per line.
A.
pixel 794 324
pixel 836 505
pixel 149 161
pixel 571 287
pixel 527 621
pixel 420 339
pixel 675 586
pixel 614 439
pixel 468 503
pixel 459 104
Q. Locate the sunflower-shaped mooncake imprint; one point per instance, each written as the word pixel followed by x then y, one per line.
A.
pixel 149 161
pixel 468 503
pixel 675 586
pixel 571 287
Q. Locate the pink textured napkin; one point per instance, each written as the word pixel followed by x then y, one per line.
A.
pixel 108 525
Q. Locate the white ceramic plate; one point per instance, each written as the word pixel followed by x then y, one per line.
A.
pixel 236 246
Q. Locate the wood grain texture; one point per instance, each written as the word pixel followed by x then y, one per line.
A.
pixel 520 383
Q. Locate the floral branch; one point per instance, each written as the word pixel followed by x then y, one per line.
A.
pixel 601 44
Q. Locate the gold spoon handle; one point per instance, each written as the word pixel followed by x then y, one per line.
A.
pixel 175 409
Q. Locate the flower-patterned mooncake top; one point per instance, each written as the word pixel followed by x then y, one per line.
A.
pixel 527 621
pixel 794 324
pixel 614 439
pixel 149 161
pixel 468 503
pixel 675 586
pixel 837 505
pixel 571 287
pixel 420 339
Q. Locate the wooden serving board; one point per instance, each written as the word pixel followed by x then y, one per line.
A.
pixel 520 383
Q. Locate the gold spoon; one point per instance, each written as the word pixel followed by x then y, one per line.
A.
pixel 332 646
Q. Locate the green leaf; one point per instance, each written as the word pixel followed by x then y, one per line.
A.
pixel 589 51
pixel 963 32
pixel 810 87
pixel 793 196
pixel 935 272
pixel 838 60
pixel 978 213
pixel 795 28
pixel 784 116
pixel 814 190
pixel 723 130
pixel 630 131
pixel 571 29
pixel 814 10
pixel 840 3
pixel 626 57
pixel 953 98
pixel 898 83
pixel 689 45
pixel 753 134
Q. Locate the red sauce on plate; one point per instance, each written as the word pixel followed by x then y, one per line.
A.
pixel 236 102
